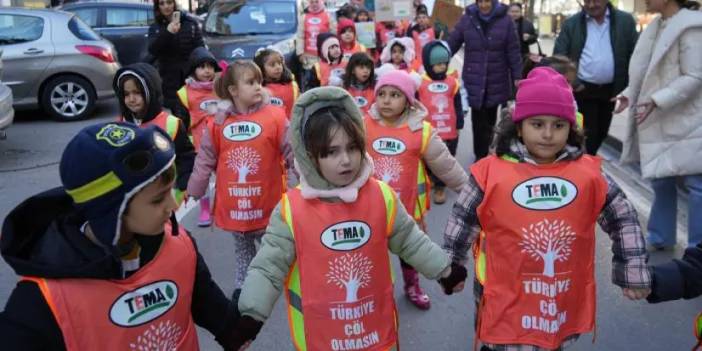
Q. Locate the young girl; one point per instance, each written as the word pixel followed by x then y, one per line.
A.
pixel 423 32
pixel 278 79
pixel 533 207
pixel 359 80
pixel 331 62
pixel 339 223
pixel 363 16
pixel 401 144
pixel 244 146
pixel 398 54
pixel 347 33
pixel 199 99
pixel 138 90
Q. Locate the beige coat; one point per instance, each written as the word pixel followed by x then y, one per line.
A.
pixel 668 71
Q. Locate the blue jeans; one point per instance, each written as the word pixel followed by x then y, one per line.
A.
pixel 663 219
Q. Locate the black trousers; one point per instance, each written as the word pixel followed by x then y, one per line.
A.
pixel 595 105
pixel 452 145
pixel 483 129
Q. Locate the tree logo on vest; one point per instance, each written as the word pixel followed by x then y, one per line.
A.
pixel 350 272
pixel 346 236
pixel 440 102
pixel 276 101
pixel 241 131
pixel 544 193
pixel 144 304
pixel 389 146
pixel 360 101
pixel 387 169
pixel 548 241
pixel 208 105
pixel 337 72
pixel 438 88
pixel 244 161
pixel 166 336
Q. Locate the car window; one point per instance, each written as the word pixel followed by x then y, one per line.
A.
pixel 16 29
pixel 251 17
pixel 126 17
pixel 89 16
pixel 81 30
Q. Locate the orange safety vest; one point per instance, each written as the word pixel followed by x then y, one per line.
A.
pixel 250 173
pixel 438 96
pixel 197 101
pixel 315 23
pixel 357 47
pixel 363 98
pixel 325 71
pixel 421 39
pixel 386 34
pixel 284 95
pixel 151 309
pixel 540 221
pixel 397 159
pixel 339 289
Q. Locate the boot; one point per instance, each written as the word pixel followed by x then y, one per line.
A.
pixel 439 195
pixel 412 289
pixel 204 220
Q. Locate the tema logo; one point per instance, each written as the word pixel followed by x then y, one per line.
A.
pixel 346 236
pixel 208 105
pixel 276 101
pixel 241 131
pixel 438 87
pixel 314 20
pixel 361 101
pixel 144 304
pixel 389 146
pixel 544 193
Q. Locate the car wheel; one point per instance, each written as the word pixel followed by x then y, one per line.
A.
pixel 68 98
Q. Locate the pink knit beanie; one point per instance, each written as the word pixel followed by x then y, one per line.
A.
pixel 544 93
pixel 401 80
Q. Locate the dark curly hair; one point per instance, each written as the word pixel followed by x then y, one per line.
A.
pixel 260 60
pixel 359 59
pixel 506 131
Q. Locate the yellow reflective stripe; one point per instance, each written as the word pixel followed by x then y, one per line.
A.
pixel 296 318
pixel 579 120
pixel 481 260
pixel 426 133
pixel 96 188
pixel 296 91
pixel 422 204
pixel 285 212
pixel 179 196
pixel 698 326
pixel 172 126
pixel 183 95
pixel 318 70
pixel 390 208
pixel 509 158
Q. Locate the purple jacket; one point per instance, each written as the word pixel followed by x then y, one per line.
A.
pixel 492 58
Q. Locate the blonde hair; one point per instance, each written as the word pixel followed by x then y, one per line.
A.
pixel 232 74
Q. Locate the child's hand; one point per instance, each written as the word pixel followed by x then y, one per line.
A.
pixel 454 281
pixel 636 294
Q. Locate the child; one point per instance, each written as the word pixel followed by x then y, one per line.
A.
pixel 340 221
pixel 398 54
pixel 363 16
pixel 138 90
pixel 244 146
pixel 102 261
pixel 423 32
pixel 439 92
pixel 385 32
pixel 198 97
pixel 331 63
pixel 347 34
pixel 401 144
pixel 533 207
pixel 314 21
pixel 359 80
pixel 278 79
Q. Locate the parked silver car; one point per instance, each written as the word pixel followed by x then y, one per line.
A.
pixel 55 61
pixel 7 113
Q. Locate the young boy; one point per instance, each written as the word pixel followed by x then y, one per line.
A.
pixel 138 90
pixel 103 263
pixel 423 32
pixel 439 92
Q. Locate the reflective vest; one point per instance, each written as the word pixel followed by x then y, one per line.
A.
pixel 438 97
pixel 325 71
pixel 284 95
pixel 386 34
pixel 421 39
pixel 397 159
pixel 197 101
pixel 339 289
pixel 315 23
pixel 357 47
pixel 250 173
pixel 151 309
pixel 363 98
pixel 540 221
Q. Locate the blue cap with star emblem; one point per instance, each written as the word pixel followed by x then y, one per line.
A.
pixel 106 164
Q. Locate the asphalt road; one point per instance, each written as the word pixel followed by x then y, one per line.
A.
pixel 28 164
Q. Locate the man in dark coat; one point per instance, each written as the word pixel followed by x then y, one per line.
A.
pixel 600 39
pixel 525 29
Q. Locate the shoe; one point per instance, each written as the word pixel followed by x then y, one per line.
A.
pixel 204 220
pixel 439 196
pixel 413 291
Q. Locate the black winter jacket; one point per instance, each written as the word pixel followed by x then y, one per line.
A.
pixel 678 279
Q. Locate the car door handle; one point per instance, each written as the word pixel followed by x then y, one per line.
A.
pixel 33 51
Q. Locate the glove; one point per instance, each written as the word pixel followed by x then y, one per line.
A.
pixel 458 274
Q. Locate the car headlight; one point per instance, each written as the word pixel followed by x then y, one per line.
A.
pixel 286 46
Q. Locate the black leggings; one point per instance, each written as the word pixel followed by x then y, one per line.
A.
pixel 452 145
pixel 483 129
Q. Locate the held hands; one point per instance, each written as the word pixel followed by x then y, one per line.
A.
pixel 242 335
pixel 636 294
pixel 455 280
